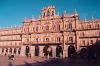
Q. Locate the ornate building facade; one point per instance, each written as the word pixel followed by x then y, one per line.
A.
pixel 49 29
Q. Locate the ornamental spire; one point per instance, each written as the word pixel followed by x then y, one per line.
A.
pixel 65 13
pixel 33 18
pixel 75 12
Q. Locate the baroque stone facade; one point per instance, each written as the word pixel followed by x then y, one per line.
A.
pixel 49 29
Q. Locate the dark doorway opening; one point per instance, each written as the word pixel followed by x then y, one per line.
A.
pixel 45 50
pixel 71 52
pixel 15 50
pixel 36 50
pixel 10 50
pixel 27 50
pixel 6 49
pixel 19 50
pixel 59 51
pixel 2 49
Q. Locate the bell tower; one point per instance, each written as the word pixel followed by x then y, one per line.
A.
pixel 49 11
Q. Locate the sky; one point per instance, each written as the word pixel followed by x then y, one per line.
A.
pixel 12 12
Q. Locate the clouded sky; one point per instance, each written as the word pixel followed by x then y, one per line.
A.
pixel 12 12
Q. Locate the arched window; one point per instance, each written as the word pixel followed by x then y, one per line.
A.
pixel 19 50
pixel 71 39
pixel 58 27
pixel 10 44
pixel 83 42
pixel 82 27
pixel 83 34
pixel 15 44
pixel 33 28
pixel 6 49
pixel 47 39
pixel 36 39
pixel 2 49
pixel 99 33
pixel 37 29
pixel 44 15
pixel 10 50
pixel 91 42
pixel 52 13
pixel 65 26
pixel 70 26
pixel 48 13
pixel 47 28
pixel 89 26
pixel 97 26
pixel 27 40
pixel 58 39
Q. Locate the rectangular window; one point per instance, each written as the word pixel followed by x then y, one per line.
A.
pixel 58 39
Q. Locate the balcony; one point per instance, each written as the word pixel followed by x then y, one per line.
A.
pixel 89 36
pixel 41 43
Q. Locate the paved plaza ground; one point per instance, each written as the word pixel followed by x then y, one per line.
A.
pixel 40 61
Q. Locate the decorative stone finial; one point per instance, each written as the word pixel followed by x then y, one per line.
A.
pixel 75 12
pixel 65 13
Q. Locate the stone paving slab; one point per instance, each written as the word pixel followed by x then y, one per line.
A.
pixel 41 61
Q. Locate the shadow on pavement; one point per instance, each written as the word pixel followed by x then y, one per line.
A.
pixel 62 62
pixel 10 64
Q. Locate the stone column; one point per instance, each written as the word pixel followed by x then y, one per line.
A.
pixel 22 51
pixel 53 51
pixel 78 42
pixel 41 51
pixel 32 50
pixel 8 50
pixel 12 51
pixel 16 51
pixel 0 50
pixel 65 51
pixel 65 54
pixel 4 51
